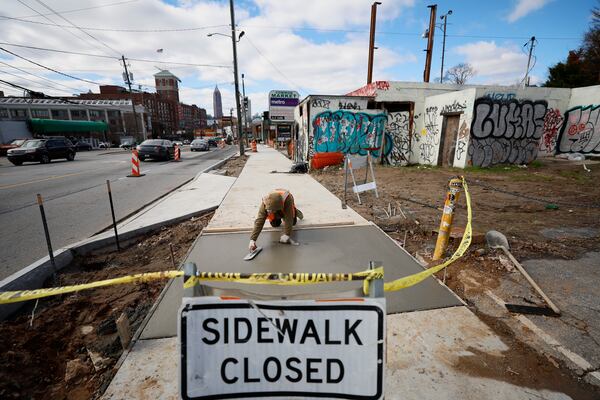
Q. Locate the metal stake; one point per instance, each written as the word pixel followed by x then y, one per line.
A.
pixel 112 211
pixel 48 242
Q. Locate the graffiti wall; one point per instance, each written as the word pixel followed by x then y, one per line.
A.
pixel 428 139
pixel 580 131
pixel 397 132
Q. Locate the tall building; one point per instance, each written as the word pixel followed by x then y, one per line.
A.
pixel 217 105
pixel 167 85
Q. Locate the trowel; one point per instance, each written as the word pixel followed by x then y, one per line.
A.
pixel 252 254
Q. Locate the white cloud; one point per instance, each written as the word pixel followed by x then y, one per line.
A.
pixel 524 7
pixel 306 61
pixel 493 63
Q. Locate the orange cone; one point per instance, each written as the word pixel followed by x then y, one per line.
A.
pixel 177 153
pixel 254 147
pixel 135 165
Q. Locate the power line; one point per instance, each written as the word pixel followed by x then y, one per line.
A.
pixel 86 33
pixel 38 76
pixel 162 30
pixel 50 69
pixel 113 58
pixel 84 9
pixel 34 82
pixel 274 66
pixel 54 23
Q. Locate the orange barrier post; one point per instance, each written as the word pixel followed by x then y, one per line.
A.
pixel 135 165
pixel 177 153
pixel 254 147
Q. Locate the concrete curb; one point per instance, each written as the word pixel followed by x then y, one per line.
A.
pixel 34 275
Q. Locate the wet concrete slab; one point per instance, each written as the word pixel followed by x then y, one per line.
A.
pixel 338 249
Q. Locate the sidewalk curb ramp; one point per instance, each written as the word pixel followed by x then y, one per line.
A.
pixel 35 274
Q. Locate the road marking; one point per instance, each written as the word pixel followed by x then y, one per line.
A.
pixel 40 180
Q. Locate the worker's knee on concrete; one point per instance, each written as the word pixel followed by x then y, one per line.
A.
pixel 275 223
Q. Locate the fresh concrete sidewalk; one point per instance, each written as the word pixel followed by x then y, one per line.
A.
pixel 424 348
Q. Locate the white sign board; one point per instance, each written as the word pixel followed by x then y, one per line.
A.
pixel 282 104
pixel 231 349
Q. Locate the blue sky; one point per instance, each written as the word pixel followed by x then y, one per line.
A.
pixel 313 46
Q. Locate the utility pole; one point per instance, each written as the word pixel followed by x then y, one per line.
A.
pixel 431 31
pixel 445 18
pixel 237 83
pixel 128 81
pixel 372 41
pixel 245 108
pixel 532 45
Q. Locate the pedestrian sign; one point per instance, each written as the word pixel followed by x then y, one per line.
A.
pixel 233 349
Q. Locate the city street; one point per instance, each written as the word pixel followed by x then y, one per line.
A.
pixel 76 200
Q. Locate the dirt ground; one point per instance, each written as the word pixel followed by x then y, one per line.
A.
pixel 66 347
pixel 549 209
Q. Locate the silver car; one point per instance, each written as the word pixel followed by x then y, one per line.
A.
pixel 199 145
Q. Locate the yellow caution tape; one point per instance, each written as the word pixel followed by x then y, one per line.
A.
pixel 286 278
pixel 465 242
pixel 300 278
pixel 24 295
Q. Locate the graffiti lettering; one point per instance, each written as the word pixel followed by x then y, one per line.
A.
pixel 397 130
pixel 463 134
pixel 500 96
pixel 454 107
pixel 348 106
pixel 506 131
pixel 321 103
pixel 580 131
pixel 349 132
pixel 552 124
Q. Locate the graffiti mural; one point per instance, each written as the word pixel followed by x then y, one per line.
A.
pixel 429 139
pixel 463 134
pixel 506 131
pixel 350 132
pixel 500 96
pixel 320 103
pixel 580 132
pixel 454 107
pixel 398 131
pixel 552 123
pixel 348 105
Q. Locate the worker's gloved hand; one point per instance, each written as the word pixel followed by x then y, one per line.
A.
pixel 252 245
pixel 284 239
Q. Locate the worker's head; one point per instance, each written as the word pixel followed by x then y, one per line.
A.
pixel 273 202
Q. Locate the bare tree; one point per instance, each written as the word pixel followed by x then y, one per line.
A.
pixel 459 74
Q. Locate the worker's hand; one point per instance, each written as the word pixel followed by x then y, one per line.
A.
pixel 252 245
pixel 284 239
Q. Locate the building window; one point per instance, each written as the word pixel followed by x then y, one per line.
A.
pixel 96 115
pixel 18 113
pixel 60 114
pixel 37 113
pixel 3 113
pixel 78 115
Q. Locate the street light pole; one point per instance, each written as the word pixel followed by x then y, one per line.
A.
pixel 237 83
pixel 128 81
pixel 445 18
pixel 372 41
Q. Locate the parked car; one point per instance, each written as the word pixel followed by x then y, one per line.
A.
pixel 178 143
pixel 42 150
pixel 4 148
pixel 212 142
pixel 128 145
pixel 186 141
pixel 104 145
pixel 199 145
pixel 83 146
pixel 157 149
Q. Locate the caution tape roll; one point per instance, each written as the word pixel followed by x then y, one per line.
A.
pixel 24 295
pixel 465 242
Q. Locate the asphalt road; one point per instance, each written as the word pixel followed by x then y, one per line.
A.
pixel 76 199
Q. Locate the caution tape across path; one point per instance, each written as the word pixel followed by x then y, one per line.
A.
pixel 300 278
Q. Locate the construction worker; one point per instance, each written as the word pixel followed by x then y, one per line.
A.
pixel 276 207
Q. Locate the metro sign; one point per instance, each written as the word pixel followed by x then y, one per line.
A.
pixel 232 349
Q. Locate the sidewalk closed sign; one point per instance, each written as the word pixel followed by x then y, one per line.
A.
pixel 231 349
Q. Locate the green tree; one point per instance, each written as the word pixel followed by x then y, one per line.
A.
pixel 582 66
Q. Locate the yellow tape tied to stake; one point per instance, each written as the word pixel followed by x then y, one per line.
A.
pixel 301 278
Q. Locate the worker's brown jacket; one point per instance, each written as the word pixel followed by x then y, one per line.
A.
pixel 287 215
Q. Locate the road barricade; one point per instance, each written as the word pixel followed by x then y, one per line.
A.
pixel 177 155
pixel 135 165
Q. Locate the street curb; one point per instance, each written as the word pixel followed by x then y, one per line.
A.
pixel 35 274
